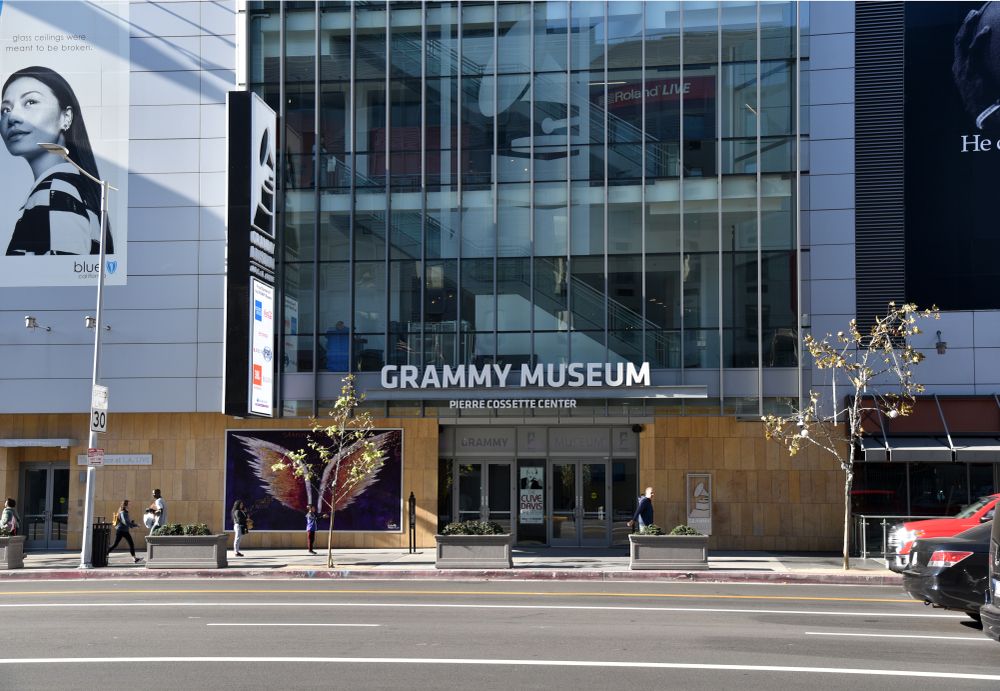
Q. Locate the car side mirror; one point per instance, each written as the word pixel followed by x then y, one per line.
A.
pixel 986 517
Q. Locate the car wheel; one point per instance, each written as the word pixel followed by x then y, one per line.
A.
pixel 975 616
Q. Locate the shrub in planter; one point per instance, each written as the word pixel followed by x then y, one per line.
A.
pixel 179 546
pixel 684 530
pixel 682 548
pixel 473 528
pixel 651 529
pixel 473 545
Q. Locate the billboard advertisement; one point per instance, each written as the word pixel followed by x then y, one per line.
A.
pixel 65 72
pixel 262 355
pixel 952 154
pixel 278 500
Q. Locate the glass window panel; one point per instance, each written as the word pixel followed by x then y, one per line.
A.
pixel 701 30
pixel 587 35
pixel 740 308
pixel 513 349
pixel 513 221
pixel 699 121
pixel 369 47
pixel 624 164
pixel 981 480
pixel 663 285
pixel 777 98
pixel 369 352
pixel 739 30
pixel 777 155
pixel 551 348
pixel 299 230
pixel 335 301
pixel 442 231
pixel 778 308
pixel 777 29
pixel 624 220
pixel 663 224
pixel 442 39
pixel 478 304
pixel 739 98
pixel 624 28
pixel 587 346
pixel 663 349
pixel 369 296
pixel 405 36
pixel 478 231
pixel 442 127
pixel 625 292
pixel 587 292
pixel 938 489
pixel 879 488
pixel 701 218
pixel 406 128
pixel 550 36
pixel 514 38
pixel 369 227
pixel 369 136
pixel 586 218
pixel 479 348
pixel 739 156
pixel 662 34
pixel 264 28
pixel 701 290
pixel 625 345
pixel 335 41
pixel 299 316
pixel 300 134
pixel 405 230
pixel 551 232
pixel 739 213
pixel 477 38
pixel 777 219
pixel 701 348
pixel 404 304
pixel 441 292
pixel 514 294
pixel 550 294
pixel 440 345
pixel 334 137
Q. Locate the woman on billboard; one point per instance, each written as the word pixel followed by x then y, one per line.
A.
pixel 61 214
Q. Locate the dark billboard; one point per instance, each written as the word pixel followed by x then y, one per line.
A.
pixel 952 155
pixel 277 500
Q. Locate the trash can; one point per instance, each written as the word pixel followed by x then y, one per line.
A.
pixel 100 543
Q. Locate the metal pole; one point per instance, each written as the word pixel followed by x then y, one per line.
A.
pixel 86 561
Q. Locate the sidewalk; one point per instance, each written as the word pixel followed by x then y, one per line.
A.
pixel 529 564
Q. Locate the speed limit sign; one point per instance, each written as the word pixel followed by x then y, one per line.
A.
pixel 98 420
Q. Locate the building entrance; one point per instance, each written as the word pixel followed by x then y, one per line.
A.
pixel 579 499
pixel 558 486
pixel 45 505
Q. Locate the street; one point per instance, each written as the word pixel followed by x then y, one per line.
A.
pixel 259 634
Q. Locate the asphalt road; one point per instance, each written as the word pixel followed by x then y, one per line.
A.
pixel 255 634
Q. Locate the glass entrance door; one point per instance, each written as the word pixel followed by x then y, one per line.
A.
pixel 485 492
pixel 45 512
pixel 579 501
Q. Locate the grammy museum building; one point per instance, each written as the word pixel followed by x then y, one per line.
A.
pixel 567 248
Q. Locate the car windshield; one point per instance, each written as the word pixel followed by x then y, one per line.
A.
pixel 970 510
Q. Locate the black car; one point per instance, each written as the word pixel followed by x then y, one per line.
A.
pixel 951 572
pixel 990 612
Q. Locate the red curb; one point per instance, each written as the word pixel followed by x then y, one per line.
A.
pixel 877 579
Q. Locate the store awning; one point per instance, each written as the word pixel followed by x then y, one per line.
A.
pixel 920 449
pixel 873 450
pixel 977 449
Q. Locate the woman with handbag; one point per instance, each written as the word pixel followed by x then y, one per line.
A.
pixel 8 519
pixel 239 525
pixel 123 524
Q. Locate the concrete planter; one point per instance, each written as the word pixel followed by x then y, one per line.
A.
pixel 12 552
pixel 473 552
pixel 668 552
pixel 186 551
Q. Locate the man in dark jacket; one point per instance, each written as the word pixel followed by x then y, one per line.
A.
pixel 643 515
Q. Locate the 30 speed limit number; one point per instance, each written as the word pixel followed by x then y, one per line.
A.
pixel 98 420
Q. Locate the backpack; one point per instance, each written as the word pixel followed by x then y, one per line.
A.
pixel 115 520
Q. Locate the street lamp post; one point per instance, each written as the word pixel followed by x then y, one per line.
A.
pixel 86 550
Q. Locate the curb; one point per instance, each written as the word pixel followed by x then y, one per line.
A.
pixel 592 575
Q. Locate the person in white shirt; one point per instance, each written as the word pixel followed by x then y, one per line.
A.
pixel 159 510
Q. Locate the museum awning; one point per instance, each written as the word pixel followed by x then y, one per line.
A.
pixel 941 429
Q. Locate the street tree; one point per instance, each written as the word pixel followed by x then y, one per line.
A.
pixel 877 369
pixel 342 458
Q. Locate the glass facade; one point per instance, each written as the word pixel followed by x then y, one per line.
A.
pixel 537 182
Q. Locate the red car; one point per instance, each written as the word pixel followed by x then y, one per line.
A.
pixel 902 535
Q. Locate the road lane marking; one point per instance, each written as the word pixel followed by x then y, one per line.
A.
pixel 279 624
pixel 981 639
pixel 478 593
pixel 453 605
pixel 950 676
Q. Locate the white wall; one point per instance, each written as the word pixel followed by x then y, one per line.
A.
pixel 164 350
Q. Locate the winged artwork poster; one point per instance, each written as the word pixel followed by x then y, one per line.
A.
pixel 277 501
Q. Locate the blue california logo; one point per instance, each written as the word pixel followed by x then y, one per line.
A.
pixel 112 265
pixel 258 311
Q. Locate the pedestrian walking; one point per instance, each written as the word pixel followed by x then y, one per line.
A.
pixel 239 525
pixel 311 527
pixel 9 520
pixel 643 515
pixel 122 524
pixel 158 508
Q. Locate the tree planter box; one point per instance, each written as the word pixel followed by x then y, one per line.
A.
pixel 12 552
pixel 186 551
pixel 473 552
pixel 668 552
